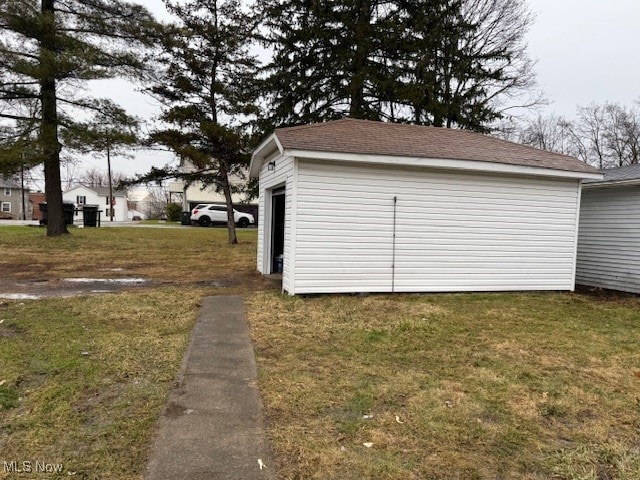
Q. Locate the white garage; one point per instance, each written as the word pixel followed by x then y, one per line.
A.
pixel 362 206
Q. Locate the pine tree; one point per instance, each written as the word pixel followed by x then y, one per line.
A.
pixel 209 92
pixel 436 62
pixel 48 48
pixel 328 58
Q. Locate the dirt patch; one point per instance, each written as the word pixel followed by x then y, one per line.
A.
pixel 10 330
pixel 39 288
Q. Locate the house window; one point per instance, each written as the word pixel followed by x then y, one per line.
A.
pixel 106 201
pixel 6 207
pixel 7 192
pixel 81 200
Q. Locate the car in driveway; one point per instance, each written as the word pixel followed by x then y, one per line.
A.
pixel 208 214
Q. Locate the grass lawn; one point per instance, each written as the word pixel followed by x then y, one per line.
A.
pixel 466 386
pixel 83 380
pixel 473 386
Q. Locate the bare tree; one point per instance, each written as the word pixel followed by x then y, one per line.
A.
pixel 604 135
pixel 554 133
pixel 95 177
pixel 157 201
pixel 622 134
pixel 591 125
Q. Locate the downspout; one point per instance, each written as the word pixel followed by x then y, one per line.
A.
pixel 393 253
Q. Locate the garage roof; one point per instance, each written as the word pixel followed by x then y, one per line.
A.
pixel 627 175
pixel 351 136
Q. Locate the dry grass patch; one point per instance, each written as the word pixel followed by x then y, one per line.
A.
pixel 83 380
pixel 477 386
pixel 178 255
pixel 89 377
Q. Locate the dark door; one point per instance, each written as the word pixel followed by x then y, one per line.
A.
pixel 277 230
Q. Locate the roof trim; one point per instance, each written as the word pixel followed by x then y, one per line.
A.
pixel 445 163
pixel 272 146
pixel 269 146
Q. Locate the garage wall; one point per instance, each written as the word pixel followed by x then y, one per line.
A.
pixel 608 239
pixel 282 175
pixel 455 231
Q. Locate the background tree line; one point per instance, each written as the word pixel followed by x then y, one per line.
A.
pixel 446 63
pixel 603 135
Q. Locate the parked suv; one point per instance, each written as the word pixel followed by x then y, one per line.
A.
pixel 207 214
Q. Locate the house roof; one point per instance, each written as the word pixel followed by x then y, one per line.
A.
pixel 351 136
pixel 9 183
pixel 629 174
pixel 103 191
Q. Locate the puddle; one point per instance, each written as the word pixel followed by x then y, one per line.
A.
pixel 19 296
pixel 67 287
pixel 122 281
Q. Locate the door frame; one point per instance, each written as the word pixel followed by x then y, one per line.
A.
pixel 267 240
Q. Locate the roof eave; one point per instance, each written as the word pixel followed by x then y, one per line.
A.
pixel 445 163
pixel 269 146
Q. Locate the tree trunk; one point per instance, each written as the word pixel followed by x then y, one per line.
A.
pixel 226 189
pixel 49 129
pixel 360 56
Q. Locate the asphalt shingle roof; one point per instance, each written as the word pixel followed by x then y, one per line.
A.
pixel 9 183
pixel 381 138
pixel 619 174
pixel 105 191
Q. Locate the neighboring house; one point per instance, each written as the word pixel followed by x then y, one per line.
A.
pixel 361 206
pixel 99 196
pixel 13 201
pixel 609 235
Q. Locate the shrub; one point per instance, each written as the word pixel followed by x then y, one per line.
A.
pixel 173 211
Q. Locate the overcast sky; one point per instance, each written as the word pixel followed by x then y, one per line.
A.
pixel 586 51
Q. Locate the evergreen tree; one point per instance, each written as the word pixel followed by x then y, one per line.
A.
pixel 48 48
pixel 208 89
pixel 436 62
pixel 328 58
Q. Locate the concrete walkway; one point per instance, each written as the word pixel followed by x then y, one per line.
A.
pixel 212 425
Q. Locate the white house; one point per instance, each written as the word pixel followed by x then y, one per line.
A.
pixel 99 196
pixel 609 235
pixel 361 206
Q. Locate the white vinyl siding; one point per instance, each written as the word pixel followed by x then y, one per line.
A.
pixel 608 239
pixel 281 176
pixel 454 231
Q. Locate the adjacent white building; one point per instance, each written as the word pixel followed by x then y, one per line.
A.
pixel 195 193
pixel 361 206
pixel 99 196
pixel 609 235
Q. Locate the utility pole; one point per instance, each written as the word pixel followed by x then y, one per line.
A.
pixel 24 211
pixel 110 183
